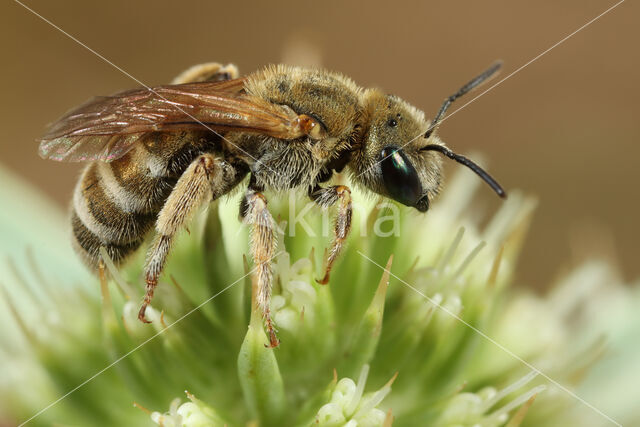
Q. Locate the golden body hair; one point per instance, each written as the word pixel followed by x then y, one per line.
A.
pixel 155 156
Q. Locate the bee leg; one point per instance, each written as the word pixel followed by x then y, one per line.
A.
pixel 207 72
pixel 327 197
pixel 205 179
pixel 253 210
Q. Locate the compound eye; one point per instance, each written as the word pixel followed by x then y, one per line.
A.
pixel 399 176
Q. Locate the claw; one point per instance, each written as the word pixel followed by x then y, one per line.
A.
pixel 273 339
pixel 324 280
pixel 148 296
pixel 141 313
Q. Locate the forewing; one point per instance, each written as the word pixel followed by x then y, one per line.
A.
pixel 106 128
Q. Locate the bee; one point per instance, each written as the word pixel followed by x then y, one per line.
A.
pixel 154 156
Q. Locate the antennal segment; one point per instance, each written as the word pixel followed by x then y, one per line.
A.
pixel 470 164
pixel 477 81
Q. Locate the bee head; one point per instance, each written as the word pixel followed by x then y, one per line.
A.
pixel 390 161
pixel 400 155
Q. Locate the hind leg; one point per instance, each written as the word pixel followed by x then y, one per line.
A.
pixel 206 179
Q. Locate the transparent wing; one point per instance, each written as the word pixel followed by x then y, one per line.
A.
pixel 106 128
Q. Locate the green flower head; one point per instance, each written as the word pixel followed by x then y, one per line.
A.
pixel 419 325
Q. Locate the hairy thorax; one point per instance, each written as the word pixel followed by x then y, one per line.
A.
pixel 333 100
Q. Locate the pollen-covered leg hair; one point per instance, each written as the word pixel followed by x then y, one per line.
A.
pixel 326 197
pixel 205 179
pixel 253 211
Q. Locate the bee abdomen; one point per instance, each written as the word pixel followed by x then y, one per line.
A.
pixel 88 244
pixel 100 220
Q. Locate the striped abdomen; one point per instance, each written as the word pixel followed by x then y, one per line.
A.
pixel 116 204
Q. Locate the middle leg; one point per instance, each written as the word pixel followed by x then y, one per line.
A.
pixel 327 197
pixel 253 211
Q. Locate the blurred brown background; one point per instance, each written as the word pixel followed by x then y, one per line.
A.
pixel 565 128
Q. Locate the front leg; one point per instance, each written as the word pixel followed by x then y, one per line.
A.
pixel 327 197
pixel 206 179
pixel 253 210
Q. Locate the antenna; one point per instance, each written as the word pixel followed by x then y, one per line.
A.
pixel 477 81
pixel 470 164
